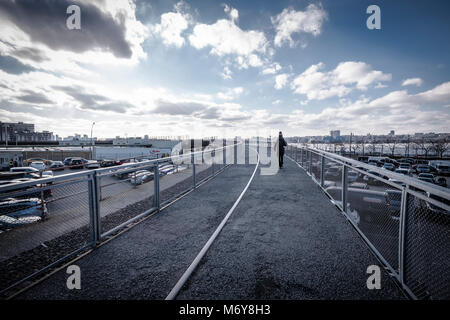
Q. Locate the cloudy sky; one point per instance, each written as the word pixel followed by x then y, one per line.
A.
pixel 204 68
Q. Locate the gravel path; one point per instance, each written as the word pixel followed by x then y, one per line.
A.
pixel 146 261
pixel 285 240
pixel 30 261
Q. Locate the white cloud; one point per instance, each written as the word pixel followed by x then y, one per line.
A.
pixel 226 38
pixel 230 94
pixel 232 12
pixel 226 74
pixel 347 76
pixel 290 21
pixel 281 80
pixel 396 110
pixel 277 102
pixel 172 25
pixel 412 82
pixel 272 69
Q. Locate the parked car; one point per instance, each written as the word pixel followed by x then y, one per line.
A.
pixel 16 212
pixel 406 172
pixel 352 176
pixel 76 163
pixel 364 159
pixel 429 180
pixel 30 172
pixel 401 183
pixel 389 166
pixel 56 165
pixel 333 173
pixel 393 202
pixel 40 165
pixel 404 165
pixel 422 168
pixel 442 182
pixel 92 164
pixel 358 185
pixel 27 162
pixel 109 163
pixel 426 175
pixel 140 177
pixel 24 169
pixel 17 186
pixel 373 181
pixel 370 206
pixel 67 161
pixel 443 170
pixel 406 160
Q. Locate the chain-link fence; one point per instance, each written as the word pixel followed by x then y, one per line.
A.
pixel 46 221
pixel 42 222
pixel 405 221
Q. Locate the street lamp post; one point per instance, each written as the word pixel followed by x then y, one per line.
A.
pixel 92 142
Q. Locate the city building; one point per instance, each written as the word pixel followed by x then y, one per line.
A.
pixel 77 140
pixel 335 134
pixel 13 133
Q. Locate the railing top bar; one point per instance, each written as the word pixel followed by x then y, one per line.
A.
pixel 143 164
pixel 434 189
pixel 62 177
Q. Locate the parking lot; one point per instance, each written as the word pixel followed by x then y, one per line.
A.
pixel 68 206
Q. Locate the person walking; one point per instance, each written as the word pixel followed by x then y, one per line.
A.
pixel 281 144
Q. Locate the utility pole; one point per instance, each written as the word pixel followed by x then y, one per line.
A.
pixel 6 135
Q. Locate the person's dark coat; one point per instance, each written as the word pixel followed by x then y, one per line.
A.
pixel 281 144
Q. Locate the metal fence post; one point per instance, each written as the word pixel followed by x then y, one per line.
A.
pixel 310 162
pixel 344 188
pixel 213 160
pixel 296 152
pixel 194 182
pixel 322 171
pixel 94 208
pixel 156 196
pixel 257 144
pixel 402 236
pixel 235 150
pixel 224 153
pixel 301 156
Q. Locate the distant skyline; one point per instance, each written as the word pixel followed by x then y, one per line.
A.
pixel 225 68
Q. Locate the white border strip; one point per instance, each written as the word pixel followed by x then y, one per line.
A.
pixel 176 289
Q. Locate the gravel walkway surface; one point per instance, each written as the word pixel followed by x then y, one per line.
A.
pixel 30 261
pixel 285 240
pixel 146 261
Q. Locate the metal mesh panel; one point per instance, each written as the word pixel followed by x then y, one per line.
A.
pixel 333 180
pixel 427 249
pixel 375 208
pixel 124 194
pixel 177 181
pixel 315 166
pixel 38 228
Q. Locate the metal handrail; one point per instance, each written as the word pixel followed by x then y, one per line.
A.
pixel 145 164
pixel 434 189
